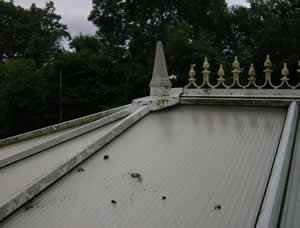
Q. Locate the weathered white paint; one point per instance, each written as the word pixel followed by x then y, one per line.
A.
pixel 243 93
pixel 10 204
pixel 271 102
pixel 60 127
pixel 160 102
pixel 269 216
pixel 160 82
pixel 12 155
pixel 197 156
pixel 16 177
pixel 291 211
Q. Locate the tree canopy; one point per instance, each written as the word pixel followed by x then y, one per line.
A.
pixel 86 42
pixel 30 33
pixel 114 66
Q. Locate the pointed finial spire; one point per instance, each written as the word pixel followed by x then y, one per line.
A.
pixel 206 71
pixel 221 73
pixel 251 73
pixel 268 63
pixel 160 81
pixel 285 72
pixel 206 64
pixel 192 72
pixel 236 64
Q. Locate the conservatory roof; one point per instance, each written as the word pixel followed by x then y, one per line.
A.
pixel 179 158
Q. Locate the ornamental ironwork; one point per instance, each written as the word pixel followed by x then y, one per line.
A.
pixel 236 76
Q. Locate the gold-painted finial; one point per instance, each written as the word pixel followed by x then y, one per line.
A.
pixel 192 72
pixel 268 63
pixel 206 72
pixel 251 73
pixel 236 64
pixel 285 72
pixel 206 64
pixel 236 70
pixel 192 79
pixel 268 70
pixel 221 73
pixel 236 76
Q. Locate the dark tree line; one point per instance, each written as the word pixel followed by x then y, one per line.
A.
pixel 114 66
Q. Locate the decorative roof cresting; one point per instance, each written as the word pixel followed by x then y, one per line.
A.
pixel 236 76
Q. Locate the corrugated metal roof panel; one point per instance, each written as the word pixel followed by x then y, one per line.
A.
pixel 211 164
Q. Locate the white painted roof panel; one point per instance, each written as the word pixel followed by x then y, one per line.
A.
pixel 15 177
pixel 212 164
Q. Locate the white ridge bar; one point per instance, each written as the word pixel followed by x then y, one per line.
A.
pixel 40 184
pixel 60 126
pixel 11 158
pixel 269 215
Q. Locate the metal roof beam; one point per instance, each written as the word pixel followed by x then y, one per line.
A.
pixel 60 126
pixel 7 159
pixel 270 211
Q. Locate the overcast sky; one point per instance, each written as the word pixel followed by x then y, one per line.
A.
pixel 74 13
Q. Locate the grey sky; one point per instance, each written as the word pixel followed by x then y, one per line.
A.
pixel 75 12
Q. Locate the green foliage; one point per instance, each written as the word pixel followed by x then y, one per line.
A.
pixel 131 28
pixel 86 79
pixel 267 27
pixel 115 65
pixel 91 83
pixel 132 80
pixel 86 42
pixel 34 33
pixel 183 50
pixel 23 96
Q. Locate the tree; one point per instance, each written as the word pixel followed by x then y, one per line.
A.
pixel 88 81
pixel 115 65
pixel 22 98
pixel 34 33
pixel 183 51
pixel 267 27
pixel 130 29
pixel 277 31
pixel 86 42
